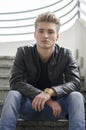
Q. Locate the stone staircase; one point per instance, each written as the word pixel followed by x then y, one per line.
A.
pixel 42 125
pixel 5 68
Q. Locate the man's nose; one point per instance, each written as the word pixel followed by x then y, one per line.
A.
pixel 45 34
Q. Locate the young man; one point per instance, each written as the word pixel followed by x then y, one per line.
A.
pixel 44 81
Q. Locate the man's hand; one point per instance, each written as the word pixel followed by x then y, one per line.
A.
pixel 40 100
pixel 56 108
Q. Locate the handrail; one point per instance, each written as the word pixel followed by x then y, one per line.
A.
pixel 33 32
pixel 34 16
pixel 63 7
pixel 76 10
pixel 17 26
pixel 32 9
pixel 68 12
pixel 33 24
pixel 11 34
pixel 70 19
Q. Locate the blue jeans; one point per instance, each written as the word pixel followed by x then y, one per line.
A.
pixel 16 105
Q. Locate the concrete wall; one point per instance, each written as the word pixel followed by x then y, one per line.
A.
pixel 75 39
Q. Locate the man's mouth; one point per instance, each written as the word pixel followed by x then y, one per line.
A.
pixel 45 41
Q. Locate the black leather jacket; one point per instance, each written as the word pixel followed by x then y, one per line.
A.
pixel 62 71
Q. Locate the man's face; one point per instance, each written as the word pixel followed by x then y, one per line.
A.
pixel 46 35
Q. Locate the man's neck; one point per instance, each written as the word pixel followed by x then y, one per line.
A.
pixel 45 54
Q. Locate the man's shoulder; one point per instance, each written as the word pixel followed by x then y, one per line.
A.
pixel 63 54
pixel 63 50
pixel 25 51
pixel 26 48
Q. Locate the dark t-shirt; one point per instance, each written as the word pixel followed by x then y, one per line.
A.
pixel 43 81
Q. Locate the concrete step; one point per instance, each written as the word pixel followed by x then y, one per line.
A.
pixel 6 61
pixel 5 71
pixel 4 81
pixel 5 68
pixel 3 92
pixel 42 125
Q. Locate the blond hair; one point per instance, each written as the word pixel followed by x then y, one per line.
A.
pixel 48 17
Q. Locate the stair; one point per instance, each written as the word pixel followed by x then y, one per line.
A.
pixel 5 68
pixel 43 125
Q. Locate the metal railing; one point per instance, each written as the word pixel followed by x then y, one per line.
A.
pixel 22 23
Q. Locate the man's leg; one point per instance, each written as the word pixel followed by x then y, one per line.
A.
pixel 10 111
pixel 76 111
pixel 67 103
pixel 28 113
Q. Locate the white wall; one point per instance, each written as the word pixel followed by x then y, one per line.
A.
pixel 75 39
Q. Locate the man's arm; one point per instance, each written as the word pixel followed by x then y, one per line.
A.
pixel 17 79
pixel 71 77
pixel 43 98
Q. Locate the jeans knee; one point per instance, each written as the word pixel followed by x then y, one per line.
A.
pixel 12 105
pixel 76 96
pixel 12 95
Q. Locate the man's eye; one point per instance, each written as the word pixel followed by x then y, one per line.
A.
pixel 50 32
pixel 41 31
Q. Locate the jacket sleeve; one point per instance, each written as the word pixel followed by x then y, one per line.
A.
pixel 71 77
pixel 17 81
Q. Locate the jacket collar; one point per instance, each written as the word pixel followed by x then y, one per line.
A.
pixel 54 57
